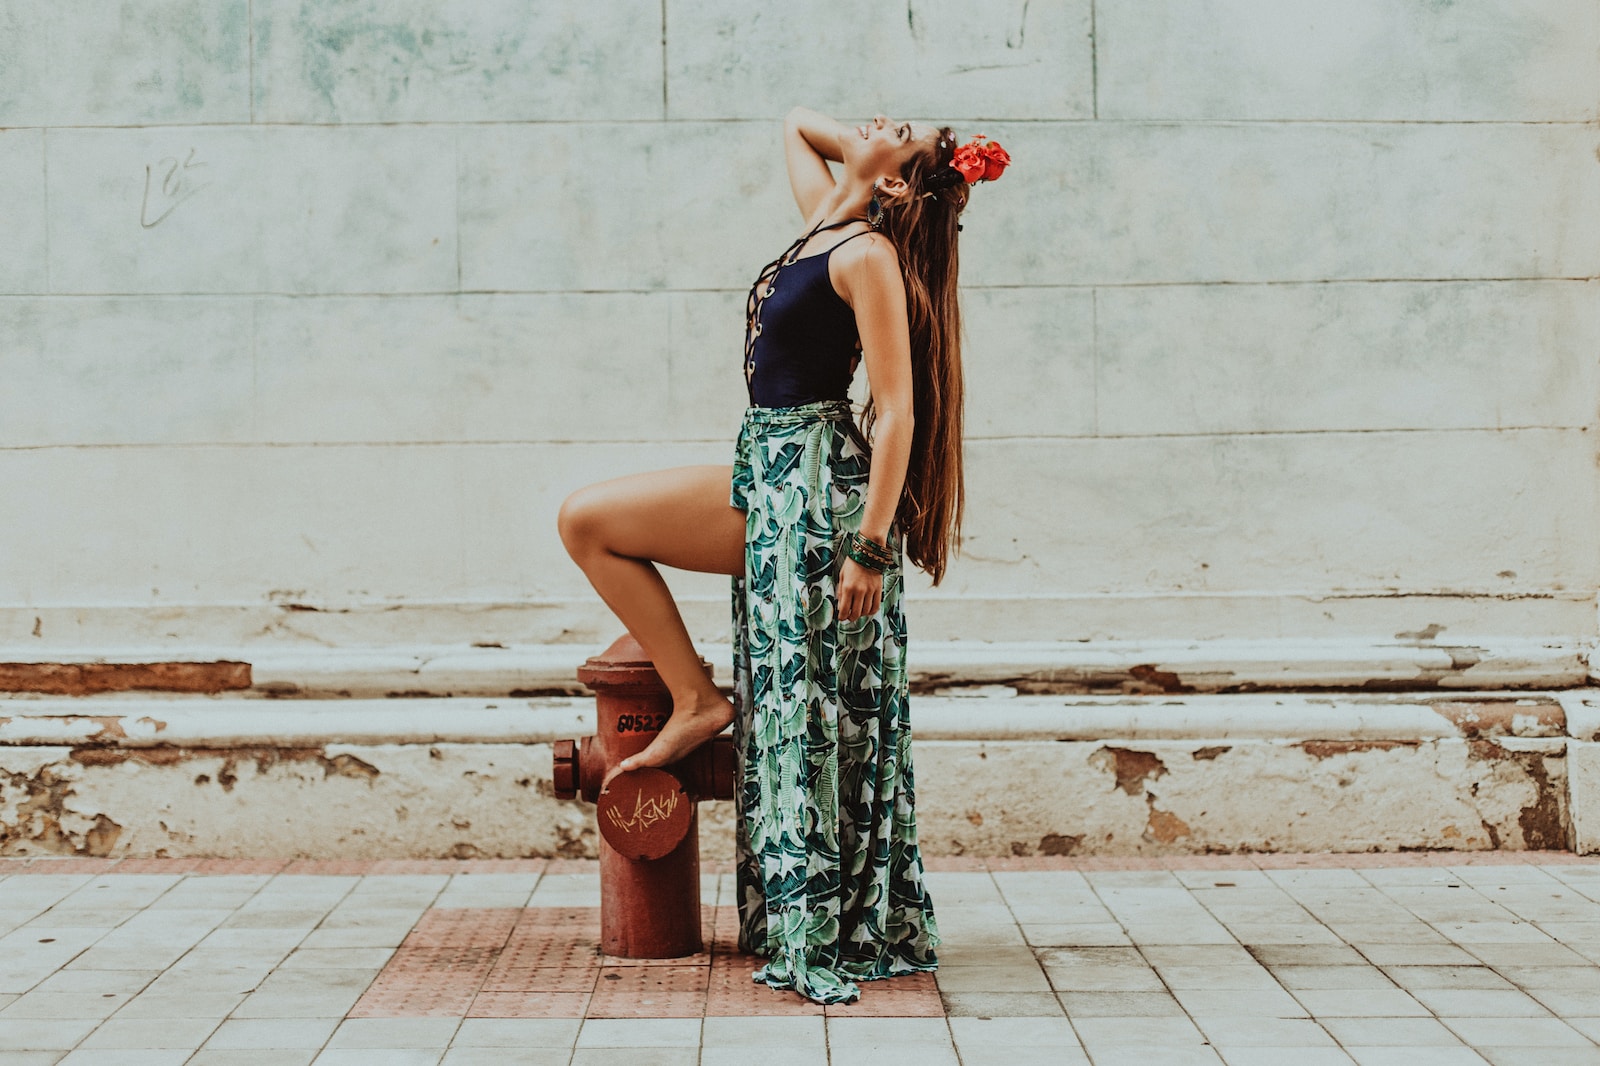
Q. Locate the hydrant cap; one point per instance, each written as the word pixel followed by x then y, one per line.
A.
pixel 623 664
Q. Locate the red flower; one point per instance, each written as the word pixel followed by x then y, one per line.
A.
pixel 995 160
pixel 980 160
pixel 969 160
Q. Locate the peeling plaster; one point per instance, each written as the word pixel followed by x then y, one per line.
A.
pixel 84 679
pixel 1132 768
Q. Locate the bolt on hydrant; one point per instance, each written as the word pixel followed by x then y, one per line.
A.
pixel 649 824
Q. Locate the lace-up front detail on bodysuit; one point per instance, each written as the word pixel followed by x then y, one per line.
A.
pixel 800 343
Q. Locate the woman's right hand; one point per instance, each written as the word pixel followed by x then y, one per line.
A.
pixel 820 133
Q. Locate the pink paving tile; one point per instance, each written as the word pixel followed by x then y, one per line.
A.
pixel 544 961
pixel 486 927
pixel 503 866
pixel 915 995
pixel 529 1005
pixel 1209 862
pixel 425 963
pixel 239 866
pixel 1114 862
pixel 724 938
pixel 651 992
pixel 1485 858
pixel 954 863
pixel 573 866
pixel 423 1001
pixel 732 994
pixel 526 979
pixel 1308 861
pixel 330 867
pixel 416 866
pixel 156 866
pixel 1033 862
pixel 1561 858
pixel 699 958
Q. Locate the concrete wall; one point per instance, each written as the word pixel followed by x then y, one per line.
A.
pixel 1283 325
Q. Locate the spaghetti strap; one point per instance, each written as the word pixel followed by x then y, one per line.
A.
pixel 852 237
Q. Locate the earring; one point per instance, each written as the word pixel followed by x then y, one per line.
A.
pixel 875 209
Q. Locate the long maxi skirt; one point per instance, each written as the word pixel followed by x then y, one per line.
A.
pixel 830 879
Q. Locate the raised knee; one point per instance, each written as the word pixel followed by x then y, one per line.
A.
pixel 578 521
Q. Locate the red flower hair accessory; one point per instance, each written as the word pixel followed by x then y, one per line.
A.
pixel 980 159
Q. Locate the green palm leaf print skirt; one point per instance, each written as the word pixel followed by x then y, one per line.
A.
pixel 830 879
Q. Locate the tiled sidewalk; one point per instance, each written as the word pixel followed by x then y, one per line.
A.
pixel 1425 960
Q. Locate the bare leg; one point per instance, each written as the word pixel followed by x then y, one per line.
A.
pixel 617 531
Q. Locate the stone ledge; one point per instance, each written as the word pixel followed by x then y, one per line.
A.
pixel 1134 667
pixel 990 714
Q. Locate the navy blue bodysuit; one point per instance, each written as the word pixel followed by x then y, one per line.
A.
pixel 800 335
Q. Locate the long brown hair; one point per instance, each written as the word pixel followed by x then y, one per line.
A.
pixel 923 230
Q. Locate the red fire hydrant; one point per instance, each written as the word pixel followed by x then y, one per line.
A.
pixel 649 835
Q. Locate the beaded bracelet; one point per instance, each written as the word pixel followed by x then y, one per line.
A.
pixel 869 553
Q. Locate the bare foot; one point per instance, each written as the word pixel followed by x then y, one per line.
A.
pixel 688 727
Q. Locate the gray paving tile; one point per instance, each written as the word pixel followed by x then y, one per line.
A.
pixel 1360 1003
pixel 1255 1031
pixel 127 1057
pixel 1331 977
pixel 1390 1032
pixel 278 1057
pixel 1029 978
pixel 1120 1005
pixel 543 1056
pixel 1570 978
pixel 545 1032
pixel 1260 1003
pixel 1528 955
pixel 379 1057
pixel 640 1057
pixel 1415 977
pixel 1251 976
pixel 44 1034
pixel 271 1033
pixel 1236 1055
pixel 763 1032
pixel 1416 1056
pixel 1308 955
pixel 1109 1035
pixel 394 1033
pixel 131 1033
pixel 1516 1032
pixel 1381 954
pixel 1480 1002
pixel 1165 1054
pixel 1000 1055
pixel 1000 1004
pixel 1542 1056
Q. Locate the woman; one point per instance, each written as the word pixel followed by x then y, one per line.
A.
pixel 810 523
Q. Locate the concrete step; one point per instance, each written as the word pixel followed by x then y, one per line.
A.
pixel 997 773
pixel 1412 662
pixel 978 714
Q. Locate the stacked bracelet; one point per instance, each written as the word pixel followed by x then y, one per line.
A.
pixel 869 553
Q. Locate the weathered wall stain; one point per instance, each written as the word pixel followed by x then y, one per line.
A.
pixel 1164 827
pixel 1545 821
pixel 1131 768
pixel 1059 843
pixel 1504 718
pixel 1160 680
pixel 1327 749
pixel 41 820
pixel 85 679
